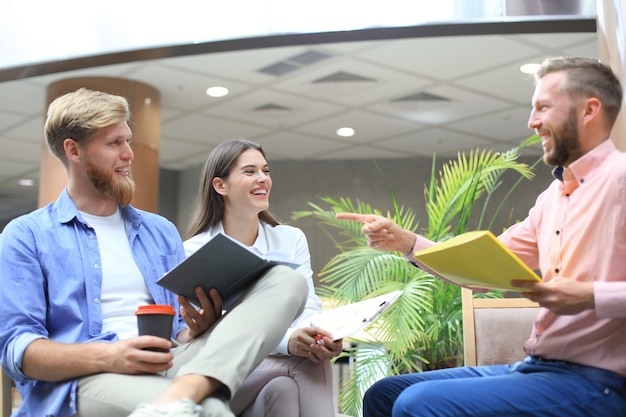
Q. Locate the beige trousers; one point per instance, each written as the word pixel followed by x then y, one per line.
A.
pixel 228 352
pixel 286 386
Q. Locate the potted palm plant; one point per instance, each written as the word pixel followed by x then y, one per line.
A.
pixel 423 329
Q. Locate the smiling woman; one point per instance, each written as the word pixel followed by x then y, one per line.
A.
pixel 233 198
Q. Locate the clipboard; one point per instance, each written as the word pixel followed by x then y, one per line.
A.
pixel 348 320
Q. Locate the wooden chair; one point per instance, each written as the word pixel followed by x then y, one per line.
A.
pixel 494 330
pixel 6 388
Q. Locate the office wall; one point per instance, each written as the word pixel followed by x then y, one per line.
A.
pixel 295 183
pixel 168 194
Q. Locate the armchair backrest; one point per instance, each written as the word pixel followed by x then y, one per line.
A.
pixel 495 329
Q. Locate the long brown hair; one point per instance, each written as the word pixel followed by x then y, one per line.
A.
pixel 209 205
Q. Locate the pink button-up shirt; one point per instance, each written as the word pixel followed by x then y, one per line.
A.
pixel 581 235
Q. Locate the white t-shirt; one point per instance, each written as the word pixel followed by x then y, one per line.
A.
pixel 123 286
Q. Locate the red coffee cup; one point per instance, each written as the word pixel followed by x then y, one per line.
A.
pixel 155 320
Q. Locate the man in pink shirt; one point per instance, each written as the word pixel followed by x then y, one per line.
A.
pixel 576 235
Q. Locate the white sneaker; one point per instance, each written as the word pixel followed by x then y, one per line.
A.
pixel 180 408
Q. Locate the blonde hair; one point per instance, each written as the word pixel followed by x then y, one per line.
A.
pixel 78 115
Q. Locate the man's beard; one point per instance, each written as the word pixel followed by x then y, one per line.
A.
pixel 566 144
pixel 102 179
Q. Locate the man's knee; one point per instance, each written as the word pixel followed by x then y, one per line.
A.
pixel 378 399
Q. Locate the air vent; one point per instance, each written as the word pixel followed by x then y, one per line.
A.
pixel 342 77
pixel 272 107
pixel 422 96
pixel 294 63
pixel 308 58
pixel 278 69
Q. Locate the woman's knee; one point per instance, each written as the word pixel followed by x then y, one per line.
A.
pixel 279 397
pixel 280 387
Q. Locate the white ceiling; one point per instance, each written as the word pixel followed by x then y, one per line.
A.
pixel 488 102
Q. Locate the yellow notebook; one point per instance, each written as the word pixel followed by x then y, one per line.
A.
pixel 476 260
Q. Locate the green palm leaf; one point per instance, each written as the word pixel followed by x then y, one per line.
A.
pixel 462 182
pixel 423 329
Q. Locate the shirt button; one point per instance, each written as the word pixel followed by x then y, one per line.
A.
pixel 96 301
pixel 558 232
pixel 556 270
pixel 96 266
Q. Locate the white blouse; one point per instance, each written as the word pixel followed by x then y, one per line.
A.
pixel 292 244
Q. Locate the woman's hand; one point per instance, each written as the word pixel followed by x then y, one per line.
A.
pixel 199 319
pixel 315 343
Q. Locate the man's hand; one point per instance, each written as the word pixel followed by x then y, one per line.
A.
pixel 315 343
pixel 199 320
pixel 131 357
pixel 561 295
pixel 382 234
pixel 47 360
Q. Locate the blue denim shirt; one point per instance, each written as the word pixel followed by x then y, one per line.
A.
pixel 50 282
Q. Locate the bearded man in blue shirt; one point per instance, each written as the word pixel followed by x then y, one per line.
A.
pixel 74 272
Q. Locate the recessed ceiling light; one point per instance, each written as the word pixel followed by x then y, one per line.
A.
pixel 217 91
pixel 529 68
pixel 346 132
pixel 26 182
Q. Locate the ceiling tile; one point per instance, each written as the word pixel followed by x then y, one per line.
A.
pixel 22 151
pixel 369 127
pixel 362 152
pixel 427 142
pixel 386 82
pixel 30 130
pixel 297 109
pixel 180 88
pixel 462 104
pixel 21 97
pixel 288 145
pixel 503 125
pixel 212 130
pixel 236 66
pixel 172 150
pixel 449 57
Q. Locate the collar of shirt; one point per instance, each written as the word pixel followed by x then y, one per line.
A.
pixel 583 169
pixel 66 211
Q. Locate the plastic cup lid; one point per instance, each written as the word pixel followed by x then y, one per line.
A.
pixel 155 309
